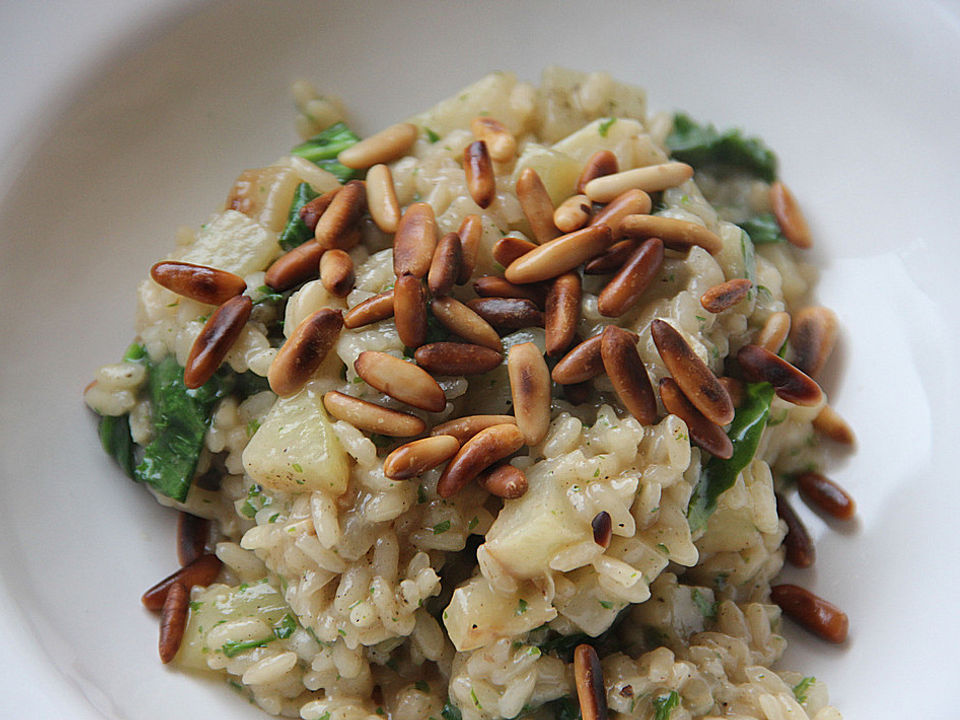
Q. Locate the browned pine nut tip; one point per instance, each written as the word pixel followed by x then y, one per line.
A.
pixel 496 286
pixel 173 621
pixel 774 332
pixel 470 232
pixel 582 363
pixel 202 572
pixel 400 380
pixel 418 456
pixel 676 234
pixel 588 675
pixel 530 389
pixel 562 313
pixel 703 433
pixel 453 358
pixel 725 295
pixel 335 228
pixel 410 310
pixel 602 162
pixel 509 248
pixel 812 337
pixel 829 424
pixel 198 282
pixel 446 265
pixel 652 178
pixel 797 542
pixel 215 340
pixel 304 351
pixel 488 446
pixel 415 241
pixel 382 147
pixel 292 268
pixel 602 528
pixel 735 389
pixel 311 211
pixel 573 213
pixel 479 171
pixel 507 313
pixel 826 496
pixel 504 481
pixel 371 417
pixel 632 202
pixel 192 534
pixel 815 614
pixel 761 365
pixel 336 272
pixel 374 309
pixel 461 320
pixel 618 350
pixel 464 428
pixel 536 205
pixel 559 255
pixel 792 223
pixel 382 198
pixel 501 143
pixel 612 259
pixel 631 281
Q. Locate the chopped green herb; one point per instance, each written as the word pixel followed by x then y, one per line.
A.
pixel 296 231
pixel 476 700
pixel 604 127
pixel 707 609
pixel 421 686
pixel 273 518
pixel 451 712
pixel 704 146
pixel 195 605
pixel 800 689
pixel 763 229
pixel 421 494
pixel 297 467
pixel 474 521
pixel 285 627
pixel 322 150
pixel 431 135
pixel 441 527
pixel 606 604
pixel 521 607
pixel 664 705
pixel 235 647
pixel 252 427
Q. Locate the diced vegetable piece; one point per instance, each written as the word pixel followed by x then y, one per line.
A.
pixel 617 135
pixel 296 231
pixel 117 442
pixel 233 242
pixel 558 170
pixel 322 150
pixel 763 229
pixel 704 146
pixel 490 95
pixel 264 195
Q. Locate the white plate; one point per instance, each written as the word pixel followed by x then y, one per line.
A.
pixel 132 120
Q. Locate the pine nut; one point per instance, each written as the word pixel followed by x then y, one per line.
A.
pixel 815 614
pixel 825 495
pixel 560 255
pixel 198 282
pixel 371 417
pixel 400 380
pixel 294 267
pixel 536 205
pixel 382 147
pixel 652 178
pixel 588 675
pixel 453 358
pixel 415 241
pixel 382 198
pixel 446 265
pixel 418 456
pixel 507 313
pixel 631 280
pixel 734 388
pixel 304 351
pixel 192 535
pixel 632 202
pixel 829 424
pixel 797 542
pixel 812 337
pixel 479 171
pixel 215 340
pixel 461 320
pixel 496 286
pixel 725 295
pixel 530 389
pixel 612 259
pixel 374 309
pixel 703 433
pixel 410 310
pixel 602 528
pixel 464 428
pixel 573 213
pixel 173 621
pixel 676 234
pixel 504 481
pixel 501 143
pixel 792 223
pixel 562 313
pixel 622 363
pixel 582 363
pixel 478 453
pixel 696 380
pixel 509 248
pixel 602 162
pixel 774 332
pixel 336 272
pixel 202 572
pixel 761 365
pixel 335 227
pixel 311 211
pixel 470 232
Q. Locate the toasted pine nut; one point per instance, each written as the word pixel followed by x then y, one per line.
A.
pixel 496 286
pixel 829 424
pixel 452 358
pixel 562 313
pixel 504 481
pixel 311 211
pixel 415 241
pixel 173 621
pixel 703 433
pixel 696 380
pixel 734 388
pixel 622 363
pixel 478 453
pixel 192 535
pixel 631 280
pixel 824 494
pixel 676 234
pixel 382 198
pixel 418 456
pixel 336 272
pixel 631 202
pixel 215 340
pixel 602 528
pixel 602 162
pixel 725 295
pixel 198 282
pixel 588 675
pixel 382 147
pixel 294 267
pixel 530 389
pixel 335 226
pixel 374 309
pixel 820 617
pixel 536 205
pixel 400 380
pixel 501 143
pixel 479 170
pixel 371 417
pixel 304 351
pixel 470 232
pixel 202 571
pixel 812 337
pixel 410 310
pixel 652 178
pixel 464 428
pixel 461 320
pixel 797 542
pixel 774 332
pixel 559 255
pixel 445 266
pixel 792 223
pixel 788 381
pixel 573 213
pixel 509 248
pixel 612 259
pixel 507 313
pixel 582 363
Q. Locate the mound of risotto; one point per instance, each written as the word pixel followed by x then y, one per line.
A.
pixel 494 413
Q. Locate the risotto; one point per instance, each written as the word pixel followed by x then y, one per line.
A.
pixel 495 413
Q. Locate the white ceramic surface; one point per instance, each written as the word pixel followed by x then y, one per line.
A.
pixel 123 121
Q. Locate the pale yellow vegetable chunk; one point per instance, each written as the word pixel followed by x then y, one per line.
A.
pixel 558 171
pixel 492 95
pixel 233 242
pixel 264 195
